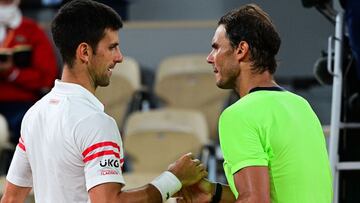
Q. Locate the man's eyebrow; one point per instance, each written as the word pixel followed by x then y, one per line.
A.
pixel 114 44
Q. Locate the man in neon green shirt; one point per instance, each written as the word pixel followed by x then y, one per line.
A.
pixel 272 141
pixel 276 131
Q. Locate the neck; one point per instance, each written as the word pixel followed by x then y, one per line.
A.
pixel 77 75
pixel 249 80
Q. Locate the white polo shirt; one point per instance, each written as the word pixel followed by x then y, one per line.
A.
pixel 68 145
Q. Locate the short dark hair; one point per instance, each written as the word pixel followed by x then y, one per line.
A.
pixel 251 24
pixel 81 21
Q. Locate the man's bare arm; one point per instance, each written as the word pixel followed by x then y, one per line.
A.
pixel 14 193
pixel 111 192
pixel 252 184
pixel 187 170
pixel 204 191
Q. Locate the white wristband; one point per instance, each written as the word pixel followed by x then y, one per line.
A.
pixel 168 184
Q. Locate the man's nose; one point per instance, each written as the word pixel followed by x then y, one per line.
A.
pixel 210 58
pixel 119 57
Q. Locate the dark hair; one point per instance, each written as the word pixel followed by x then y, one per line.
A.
pixel 81 21
pixel 251 24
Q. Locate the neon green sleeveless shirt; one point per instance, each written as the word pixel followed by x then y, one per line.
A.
pixel 277 129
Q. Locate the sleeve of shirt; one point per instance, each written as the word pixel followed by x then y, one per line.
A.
pixel 20 172
pixel 240 142
pixel 99 141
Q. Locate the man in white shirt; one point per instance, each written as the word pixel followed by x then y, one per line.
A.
pixel 70 150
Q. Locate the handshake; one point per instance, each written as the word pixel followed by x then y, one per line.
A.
pixel 19 56
pixel 193 186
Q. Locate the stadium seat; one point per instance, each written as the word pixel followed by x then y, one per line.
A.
pixel 125 82
pixel 5 144
pixel 154 139
pixel 187 81
pixel 4 133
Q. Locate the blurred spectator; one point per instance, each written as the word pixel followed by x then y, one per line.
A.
pixel 352 23
pixel 352 20
pixel 27 64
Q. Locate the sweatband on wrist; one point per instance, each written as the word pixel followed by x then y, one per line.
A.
pixel 168 184
pixel 217 196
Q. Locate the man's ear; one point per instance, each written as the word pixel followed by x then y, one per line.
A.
pixel 242 50
pixel 83 52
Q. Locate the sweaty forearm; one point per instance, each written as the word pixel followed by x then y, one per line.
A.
pixel 251 199
pixel 14 193
pixel 113 193
pixel 159 190
pixel 147 193
pixel 225 196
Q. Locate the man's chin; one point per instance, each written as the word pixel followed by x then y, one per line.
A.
pixel 104 84
pixel 224 86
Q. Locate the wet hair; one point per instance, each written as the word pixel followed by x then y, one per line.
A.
pixel 81 21
pixel 251 24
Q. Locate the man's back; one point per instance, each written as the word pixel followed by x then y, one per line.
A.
pixel 58 139
pixel 279 130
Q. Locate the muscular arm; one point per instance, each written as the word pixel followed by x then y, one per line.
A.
pixel 226 196
pixel 252 184
pixel 187 170
pixel 111 192
pixel 14 193
pixel 203 191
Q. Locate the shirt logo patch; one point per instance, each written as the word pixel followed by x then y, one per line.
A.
pixel 109 163
pixel 104 172
pixel 54 101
